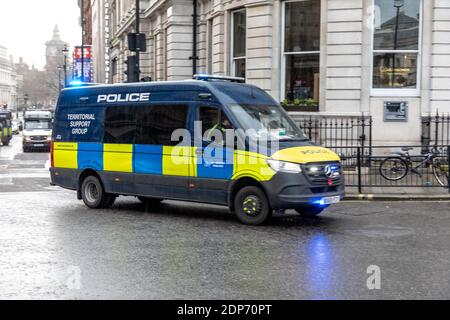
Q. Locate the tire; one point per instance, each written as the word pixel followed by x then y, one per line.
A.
pixel 93 193
pixel 150 201
pixel 439 173
pixel 109 200
pixel 308 211
pixel 251 206
pixel 395 166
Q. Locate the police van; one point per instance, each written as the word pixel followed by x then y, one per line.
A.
pixel 6 131
pixel 37 130
pixel 192 141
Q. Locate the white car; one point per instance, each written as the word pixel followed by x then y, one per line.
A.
pixel 15 127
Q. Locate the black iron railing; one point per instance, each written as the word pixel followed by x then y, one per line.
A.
pixel 435 130
pixel 362 169
pixel 339 133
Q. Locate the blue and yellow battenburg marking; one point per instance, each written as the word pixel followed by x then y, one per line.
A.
pixel 6 132
pixel 213 163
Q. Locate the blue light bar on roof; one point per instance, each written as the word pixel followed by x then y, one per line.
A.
pixel 208 77
pixel 78 83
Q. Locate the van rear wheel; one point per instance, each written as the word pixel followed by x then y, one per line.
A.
pixel 251 206
pixel 92 193
pixel 109 200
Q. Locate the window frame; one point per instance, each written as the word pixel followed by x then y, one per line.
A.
pixel 405 92
pixel 284 53
pixel 232 58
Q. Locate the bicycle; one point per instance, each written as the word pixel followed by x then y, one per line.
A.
pixel 395 168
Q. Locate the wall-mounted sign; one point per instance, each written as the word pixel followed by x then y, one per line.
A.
pixel 87 64
pixel 395 111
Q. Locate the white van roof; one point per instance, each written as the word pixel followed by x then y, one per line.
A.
pixel 38 114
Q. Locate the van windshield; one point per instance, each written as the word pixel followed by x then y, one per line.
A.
pixel 267 121
pixel 37 124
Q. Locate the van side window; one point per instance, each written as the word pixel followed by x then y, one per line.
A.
pixel 213 118
pixel 209 117
pixel 120 125
pixel 157 123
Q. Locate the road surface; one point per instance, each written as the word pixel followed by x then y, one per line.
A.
pixel 52 246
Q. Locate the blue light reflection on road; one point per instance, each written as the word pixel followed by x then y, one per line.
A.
pixel 320 267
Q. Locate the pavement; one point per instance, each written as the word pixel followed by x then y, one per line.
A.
pixel 53 247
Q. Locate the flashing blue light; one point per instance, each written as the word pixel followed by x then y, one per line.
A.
pixel 76 83
pixel 319 202
pixel 209 77
pixel 203 77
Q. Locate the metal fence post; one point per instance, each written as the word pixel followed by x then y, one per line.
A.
pixel 426 133
pixel 448 168
pixel 436 129
pixel 358 159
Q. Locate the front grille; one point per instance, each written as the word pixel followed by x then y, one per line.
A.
pixel 317 190
pixel 38 138
pixel 315 172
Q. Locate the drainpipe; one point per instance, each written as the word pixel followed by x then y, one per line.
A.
pixel 138 30
pixel 194 39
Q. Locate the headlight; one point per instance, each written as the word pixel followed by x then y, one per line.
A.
pixel 282 166
pixel 26 138
pixel 49 138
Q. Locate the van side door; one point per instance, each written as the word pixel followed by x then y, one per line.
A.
pixel 214 159
pixel 162 166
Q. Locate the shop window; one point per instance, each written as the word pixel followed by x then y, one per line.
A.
pixel 238 47
pixel 396 47
pixel 301 55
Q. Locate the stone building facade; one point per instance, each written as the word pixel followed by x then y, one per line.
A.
pixel 100 40
pixel 8 80
pixel 347 57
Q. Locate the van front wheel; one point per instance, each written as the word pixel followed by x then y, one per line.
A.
pixel 309 211
pixel 251 206
pixel 92 193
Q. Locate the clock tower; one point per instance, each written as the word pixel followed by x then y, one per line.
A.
pixel 54 48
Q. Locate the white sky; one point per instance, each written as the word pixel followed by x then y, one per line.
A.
pixel 25 26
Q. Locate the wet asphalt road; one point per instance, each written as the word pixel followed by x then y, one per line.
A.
pixel 52 246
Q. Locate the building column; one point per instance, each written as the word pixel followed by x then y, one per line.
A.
pixel 440 61
pixel 179 40
pixel 259 45
pixel 218 45
pixel 343 56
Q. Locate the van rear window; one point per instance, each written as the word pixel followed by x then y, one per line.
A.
pixel 157 123
pixel 120 125
pixel 144 125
